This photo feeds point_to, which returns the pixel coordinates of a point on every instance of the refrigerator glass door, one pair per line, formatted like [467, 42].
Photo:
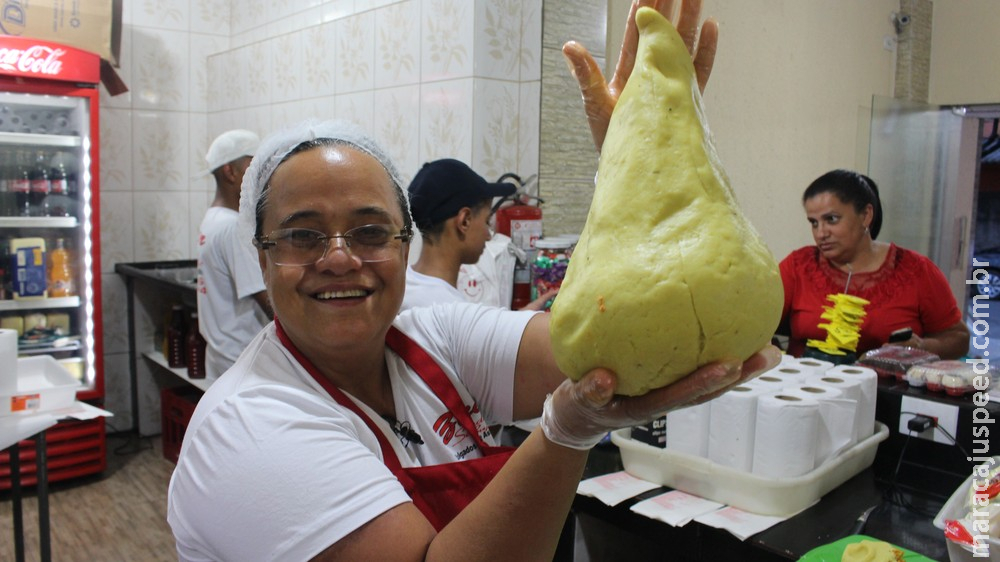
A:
[46, 228]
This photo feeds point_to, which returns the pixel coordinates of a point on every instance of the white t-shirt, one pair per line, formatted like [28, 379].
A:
[426, 290]
[272, 468]
[228, 277]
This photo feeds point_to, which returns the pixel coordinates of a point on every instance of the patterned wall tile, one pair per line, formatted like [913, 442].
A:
[197, 145]
[159, 69]
[211, 16]
[446, 43]
[202, 47]
[319, 61]
[286, 64]
[160, 150]
[495, 126]
[446, 112]
[162, 225]
[116, 229]
[497, 39]
[528, 128]
[296, 21]
[358, 108]
[397, 126]
[335, 9]
[124, 72]
[355, 53]
[117, 391]
[258, 67]
[116, 149]
[397, 45]
[160, 14]
[531, 39]
[247, 14]
[114, 312]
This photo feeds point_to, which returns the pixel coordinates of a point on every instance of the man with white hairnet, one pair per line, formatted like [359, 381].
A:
[349, 431]
[232, 303]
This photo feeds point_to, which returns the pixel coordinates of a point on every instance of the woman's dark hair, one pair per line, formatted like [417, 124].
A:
[852, 188]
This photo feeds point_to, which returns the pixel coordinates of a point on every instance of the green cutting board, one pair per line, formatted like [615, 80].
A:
[834, 551]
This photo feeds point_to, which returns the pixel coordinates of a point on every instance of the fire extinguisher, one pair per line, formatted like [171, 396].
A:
[522, 222]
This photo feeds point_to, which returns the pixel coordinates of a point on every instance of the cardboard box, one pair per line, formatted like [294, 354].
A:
[91, 25]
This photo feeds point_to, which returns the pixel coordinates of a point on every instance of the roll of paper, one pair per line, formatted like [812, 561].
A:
[785, 438]
[771, 379]
[816, 365]
[851, 389]
[837, 415]
[793, 374]
[8, 361]
[687, 429]
[868, 379]
[731, 426]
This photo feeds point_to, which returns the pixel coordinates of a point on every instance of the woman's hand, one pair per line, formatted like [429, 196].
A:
[600, 97]
[577, 415]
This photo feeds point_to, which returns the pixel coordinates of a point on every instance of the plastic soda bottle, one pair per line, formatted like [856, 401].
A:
[60, 271]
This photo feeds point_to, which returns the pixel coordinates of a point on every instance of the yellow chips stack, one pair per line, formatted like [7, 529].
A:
[843, 326]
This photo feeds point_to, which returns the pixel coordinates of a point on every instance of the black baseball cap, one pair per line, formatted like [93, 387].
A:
[443, 187]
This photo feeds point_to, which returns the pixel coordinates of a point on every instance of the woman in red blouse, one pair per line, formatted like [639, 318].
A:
[905, 289]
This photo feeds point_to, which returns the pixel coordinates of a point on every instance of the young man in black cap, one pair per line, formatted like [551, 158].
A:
[450, 204]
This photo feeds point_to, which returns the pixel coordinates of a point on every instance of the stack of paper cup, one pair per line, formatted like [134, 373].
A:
[8, 361]
[868, 390]
[785, 437]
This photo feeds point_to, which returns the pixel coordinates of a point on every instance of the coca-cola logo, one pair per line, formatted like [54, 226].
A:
[37, 59]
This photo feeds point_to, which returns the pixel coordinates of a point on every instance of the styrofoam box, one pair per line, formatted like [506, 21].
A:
[749, 492]
[42, 385]
[955, 508]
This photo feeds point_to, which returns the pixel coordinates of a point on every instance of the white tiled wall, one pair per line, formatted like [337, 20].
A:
[430, 78]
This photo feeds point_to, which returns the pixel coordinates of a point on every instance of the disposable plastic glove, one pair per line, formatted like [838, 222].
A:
[600, 97]
[578, 415]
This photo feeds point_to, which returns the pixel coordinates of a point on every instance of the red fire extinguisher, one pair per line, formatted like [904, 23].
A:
[522, 222]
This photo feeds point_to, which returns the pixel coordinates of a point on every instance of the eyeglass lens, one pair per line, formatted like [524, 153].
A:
[302, 246]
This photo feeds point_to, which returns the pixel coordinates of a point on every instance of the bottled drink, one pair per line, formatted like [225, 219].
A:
[195, 349]
[61, 281]
[41, 185]
[175, 337]
[5, 266]
[19, 183]
[59, 187]
[7, 206]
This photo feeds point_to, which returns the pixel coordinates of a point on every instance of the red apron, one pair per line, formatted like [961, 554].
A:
[439, 491]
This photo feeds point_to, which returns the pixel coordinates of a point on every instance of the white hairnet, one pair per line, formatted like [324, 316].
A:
[276, 147]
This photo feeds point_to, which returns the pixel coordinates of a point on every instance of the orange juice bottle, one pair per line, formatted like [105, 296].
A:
[60, 282]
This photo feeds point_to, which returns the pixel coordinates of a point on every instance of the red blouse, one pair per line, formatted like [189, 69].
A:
[908, 290]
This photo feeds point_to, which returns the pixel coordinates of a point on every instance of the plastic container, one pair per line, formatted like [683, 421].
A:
[42, 385]
[956, 378]
[743, 490]
[549, 267]
[955, 508]
[895, 360]
[60, 271]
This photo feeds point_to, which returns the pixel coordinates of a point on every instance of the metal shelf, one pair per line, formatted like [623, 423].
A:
[38, 139]
[35, 304]
[159, 359]
[39, 222]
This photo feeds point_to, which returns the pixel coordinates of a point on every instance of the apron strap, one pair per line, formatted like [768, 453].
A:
[388, 454]
[434, 377]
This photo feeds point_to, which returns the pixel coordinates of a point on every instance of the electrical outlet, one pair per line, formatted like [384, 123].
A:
[944, 415]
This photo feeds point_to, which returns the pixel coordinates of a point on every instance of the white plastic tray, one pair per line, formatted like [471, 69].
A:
[749, 492]
[954, 508]
[42, 385]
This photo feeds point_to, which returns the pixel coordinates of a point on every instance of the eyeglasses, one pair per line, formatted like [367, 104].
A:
[303, 246]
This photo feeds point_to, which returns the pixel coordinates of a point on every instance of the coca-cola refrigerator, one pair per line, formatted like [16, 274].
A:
[49, 241]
